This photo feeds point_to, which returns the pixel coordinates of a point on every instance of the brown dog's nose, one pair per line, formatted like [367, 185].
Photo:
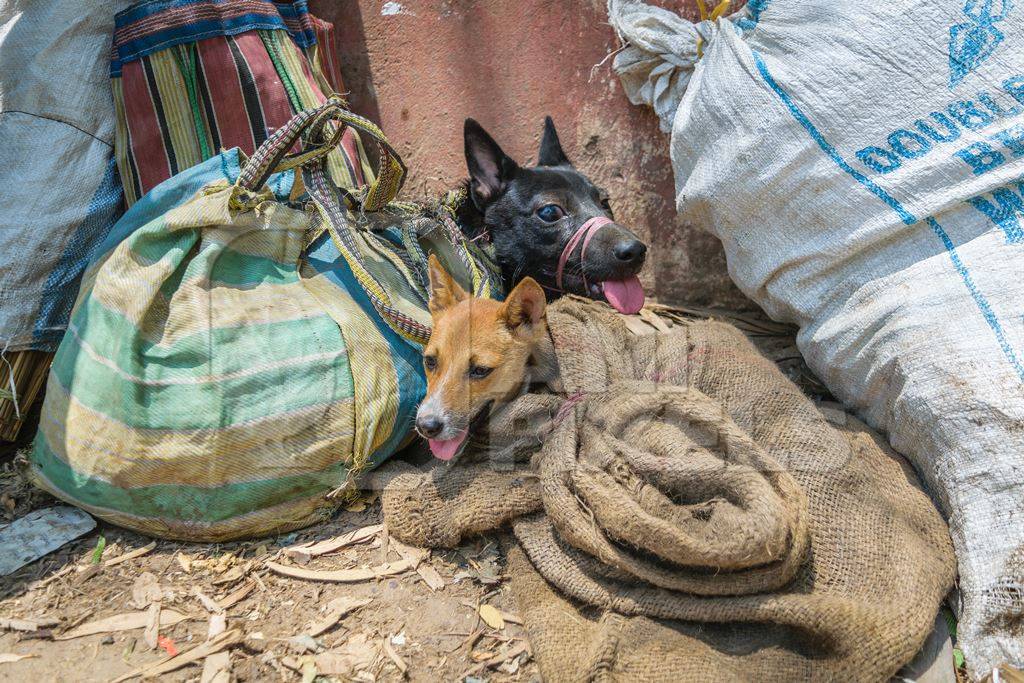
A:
[429, 426]
[630, 251]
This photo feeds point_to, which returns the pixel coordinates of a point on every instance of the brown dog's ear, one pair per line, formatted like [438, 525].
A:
[525, 306]
[445, 292]
[551, 153]
[490, 169]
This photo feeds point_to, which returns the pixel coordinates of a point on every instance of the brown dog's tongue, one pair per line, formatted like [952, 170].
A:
[447, 448]
[625, 296]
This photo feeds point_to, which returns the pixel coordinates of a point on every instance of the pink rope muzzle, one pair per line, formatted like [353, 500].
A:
[584, 233]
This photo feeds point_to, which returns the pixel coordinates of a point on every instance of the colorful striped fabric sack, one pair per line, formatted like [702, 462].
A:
[235, 359]
[193, 77]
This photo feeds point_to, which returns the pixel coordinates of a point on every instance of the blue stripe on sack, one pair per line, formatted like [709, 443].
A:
[296, 10]
[141, 10]
[62, 284]
[979, 299]
[272, 17]
[407, 357]
[169, 194]
[179, 189]
[754, 8]
[192, 33]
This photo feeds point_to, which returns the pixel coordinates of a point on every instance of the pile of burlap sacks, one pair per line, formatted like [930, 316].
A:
[682, 511]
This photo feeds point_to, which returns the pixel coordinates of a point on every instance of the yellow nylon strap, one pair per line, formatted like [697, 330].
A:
[720, 9]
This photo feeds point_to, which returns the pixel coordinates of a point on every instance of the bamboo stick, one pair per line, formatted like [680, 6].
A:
[29, 369]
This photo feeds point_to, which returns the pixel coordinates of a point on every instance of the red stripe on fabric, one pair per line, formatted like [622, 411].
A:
[277, 109]
[348, 146]
[298, 24]
[226, 94]
[147, 140]
[328, 63]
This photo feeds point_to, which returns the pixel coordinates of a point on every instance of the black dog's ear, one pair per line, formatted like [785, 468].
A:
[489, 168]
[551, 153]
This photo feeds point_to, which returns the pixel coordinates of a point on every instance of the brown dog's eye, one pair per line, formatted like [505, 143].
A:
[430, 363]
[549, 213]
[479, 371]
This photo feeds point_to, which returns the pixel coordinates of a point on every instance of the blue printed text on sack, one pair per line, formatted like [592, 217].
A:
[942, 127]
[1004, 207]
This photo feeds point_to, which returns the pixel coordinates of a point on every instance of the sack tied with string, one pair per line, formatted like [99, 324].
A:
[235, 358]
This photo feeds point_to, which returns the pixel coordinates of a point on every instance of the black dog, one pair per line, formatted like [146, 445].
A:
[530, 215]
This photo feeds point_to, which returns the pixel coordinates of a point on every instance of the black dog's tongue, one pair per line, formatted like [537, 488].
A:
[625, 296]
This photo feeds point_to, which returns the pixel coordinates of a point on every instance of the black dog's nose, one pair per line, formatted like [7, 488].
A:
[630, 251]
[429, 426]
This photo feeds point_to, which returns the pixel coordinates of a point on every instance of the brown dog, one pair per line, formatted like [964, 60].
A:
[480, 354]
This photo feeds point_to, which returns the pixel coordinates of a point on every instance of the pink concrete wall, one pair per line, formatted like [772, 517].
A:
[419, 67]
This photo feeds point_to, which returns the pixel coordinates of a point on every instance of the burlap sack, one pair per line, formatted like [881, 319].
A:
[685, 478]
[440, 508]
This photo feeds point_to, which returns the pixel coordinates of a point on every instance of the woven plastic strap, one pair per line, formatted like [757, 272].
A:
[323, 127]
[340, 229]
[483, 287]
[321, 130]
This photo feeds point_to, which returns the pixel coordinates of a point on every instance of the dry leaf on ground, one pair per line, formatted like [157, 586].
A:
[492, 617]
[218, 624]
[146, 590]
[358, 653]
[306, 551]
[343, 575]
[122, 622]
[217, 668]
[511, 653]
[510, 618]
[236, 596]
[209, 603]
[10, 657]
[152, 632]
[336, 610]
[201, 651]
[393, 655]
[430, 576]
[138, 552]
[231, 576]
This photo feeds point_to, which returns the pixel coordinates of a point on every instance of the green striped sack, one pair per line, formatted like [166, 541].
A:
[234, 360]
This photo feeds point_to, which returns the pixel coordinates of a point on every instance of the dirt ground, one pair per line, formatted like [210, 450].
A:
[433, 634]
[276, 627]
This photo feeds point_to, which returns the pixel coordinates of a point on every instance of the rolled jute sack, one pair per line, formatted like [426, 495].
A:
[700, 518]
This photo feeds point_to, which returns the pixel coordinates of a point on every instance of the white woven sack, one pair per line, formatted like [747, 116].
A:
[863, 164]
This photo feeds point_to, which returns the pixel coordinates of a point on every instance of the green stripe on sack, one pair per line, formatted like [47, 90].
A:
[224, 266]
[184, 503]
[113, 337]
[210, 405]
[215, 262]
[152, 244]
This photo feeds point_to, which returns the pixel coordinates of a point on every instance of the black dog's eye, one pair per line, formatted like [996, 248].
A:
[606, 205]
[479, 371]
[549, 213]
[430, 363]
